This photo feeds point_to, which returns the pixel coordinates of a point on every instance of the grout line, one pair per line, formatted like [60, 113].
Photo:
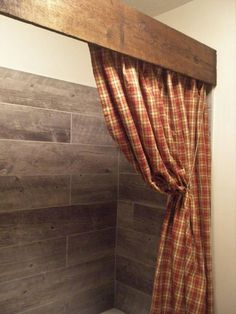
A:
[94, 203]
[56, 270]
[116, 236]
[84, 114]
[70, 190]
[67, 246]
[94, 173]
[56, 143]
[109, 253]
[39, 307]
[19, 210]
[32, 242]
[95, 115]
[137, 262]
[133, 207]
[57, 174]
[71, 127]
[118, 175]
[56, 238]
[91, 231]
[99, 145]
[153, 235]
[36, 274]
[35, 175]
[130, 173]
[144, 203]
[134, 289]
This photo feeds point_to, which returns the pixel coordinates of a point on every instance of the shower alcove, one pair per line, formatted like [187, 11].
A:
[79, 229]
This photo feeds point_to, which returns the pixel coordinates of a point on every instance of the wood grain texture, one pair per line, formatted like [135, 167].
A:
[133, 188]
[17, 87]
[32, 158]
[21, 227]
[18, 193]
[25, 294]
[90, 246]
[131, 301]
[120, 28]
[93, 188]
[135, 275]
[90, 130]
[92, 301]
[51, 308]
[32, 259]
[140, 218]
[137, 246]
[24, 123]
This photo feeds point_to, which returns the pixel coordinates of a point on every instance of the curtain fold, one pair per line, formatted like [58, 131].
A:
[160, 120]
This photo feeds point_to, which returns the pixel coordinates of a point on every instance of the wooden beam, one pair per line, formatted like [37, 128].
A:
[114, 25]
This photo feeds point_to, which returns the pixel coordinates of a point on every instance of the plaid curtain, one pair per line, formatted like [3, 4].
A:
[160, 120]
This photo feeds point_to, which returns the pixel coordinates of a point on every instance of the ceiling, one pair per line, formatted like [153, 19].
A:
[155, 7]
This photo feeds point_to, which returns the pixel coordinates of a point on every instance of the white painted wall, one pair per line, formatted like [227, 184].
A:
[155, 7]
[31, 49]
[213, 22]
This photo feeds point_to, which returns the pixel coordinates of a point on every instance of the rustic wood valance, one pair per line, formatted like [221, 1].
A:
[114, 25]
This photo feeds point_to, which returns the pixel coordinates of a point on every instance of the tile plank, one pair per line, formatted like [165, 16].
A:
[148, 220]
[18, 193]
[125, 214]
[133, 188]
[20, 227]
[32, 158]
[140, 218]
[26, 260]
[27, 89]
[95, 159]
[137, 246]
[24, 123]
[134, 274]
[90, 130]
[93, 188]
[88, 246]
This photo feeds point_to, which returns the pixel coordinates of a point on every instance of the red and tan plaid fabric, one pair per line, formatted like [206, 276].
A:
[160, 120]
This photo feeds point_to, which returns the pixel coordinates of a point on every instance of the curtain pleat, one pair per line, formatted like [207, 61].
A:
[160, 121]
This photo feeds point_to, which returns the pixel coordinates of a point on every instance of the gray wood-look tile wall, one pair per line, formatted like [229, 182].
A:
[61, 233]
[58, 198]
[140, 215]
